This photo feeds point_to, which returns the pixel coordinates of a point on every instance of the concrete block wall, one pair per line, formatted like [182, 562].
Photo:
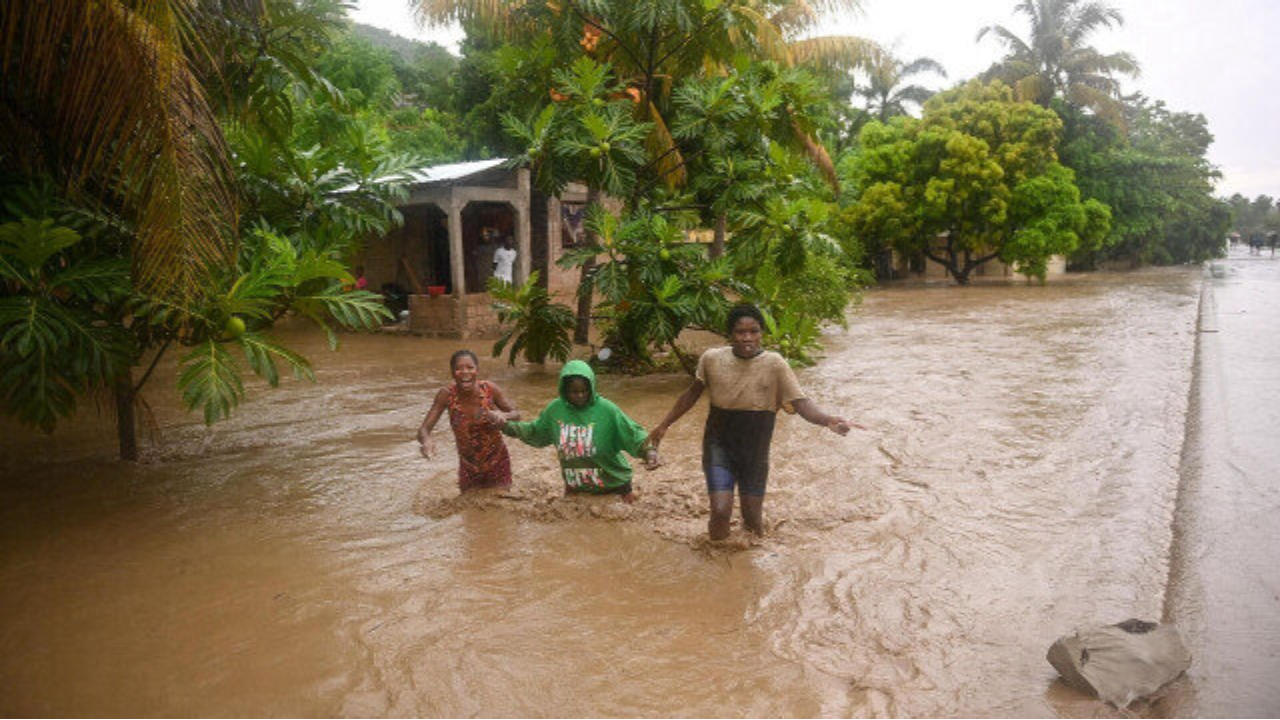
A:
[451, 316]
[435, 316]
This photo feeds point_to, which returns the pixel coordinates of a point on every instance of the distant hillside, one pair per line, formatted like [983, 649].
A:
[406, 48]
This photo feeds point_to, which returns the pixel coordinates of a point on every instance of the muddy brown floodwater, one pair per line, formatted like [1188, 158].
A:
[1020, 477]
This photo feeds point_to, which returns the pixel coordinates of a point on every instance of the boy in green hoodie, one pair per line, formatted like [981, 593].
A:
[590, 434]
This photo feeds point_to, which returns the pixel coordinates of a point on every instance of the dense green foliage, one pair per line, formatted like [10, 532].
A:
[1155, 178]
[693, 116]
[404, 99]
[975, 179]
[312, 177]
[1251, 217]
[535, 327]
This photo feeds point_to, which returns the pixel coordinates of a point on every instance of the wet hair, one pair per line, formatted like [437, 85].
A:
[743, 311]
[453, 359]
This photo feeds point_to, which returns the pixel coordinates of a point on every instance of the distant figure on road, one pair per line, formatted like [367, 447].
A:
[1271, 241]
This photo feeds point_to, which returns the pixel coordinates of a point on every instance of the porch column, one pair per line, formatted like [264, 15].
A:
[554, 247]
[455, 246]
[523, 247]
[524, 259]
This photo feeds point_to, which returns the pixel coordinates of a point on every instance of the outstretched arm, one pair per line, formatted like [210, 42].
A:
[426, 445]
[684, 403]
[814, 414]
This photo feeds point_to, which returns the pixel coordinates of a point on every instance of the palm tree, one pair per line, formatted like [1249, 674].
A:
[1055, 61]
[102, 95]
[885, 93]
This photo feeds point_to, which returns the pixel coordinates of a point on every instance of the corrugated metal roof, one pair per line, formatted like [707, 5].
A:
[453, 171]
[441, 173]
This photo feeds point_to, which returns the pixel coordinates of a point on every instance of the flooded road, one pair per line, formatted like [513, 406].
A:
[1020, 477]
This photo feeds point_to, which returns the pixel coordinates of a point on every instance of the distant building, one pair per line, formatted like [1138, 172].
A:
[456, 216]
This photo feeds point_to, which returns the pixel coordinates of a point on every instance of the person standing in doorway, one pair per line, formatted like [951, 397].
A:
[747, 386]
[504, 261]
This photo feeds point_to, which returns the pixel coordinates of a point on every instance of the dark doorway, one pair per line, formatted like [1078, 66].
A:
[485, 225]
[437, 271]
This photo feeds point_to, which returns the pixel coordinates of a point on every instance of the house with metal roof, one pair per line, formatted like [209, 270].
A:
[456, 216]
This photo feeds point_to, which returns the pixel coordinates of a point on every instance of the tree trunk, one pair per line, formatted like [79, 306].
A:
[582, 331]
[689, 364]
[126, 421]
[717, 244]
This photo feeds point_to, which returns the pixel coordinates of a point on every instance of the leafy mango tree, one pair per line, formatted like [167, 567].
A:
[974, 180]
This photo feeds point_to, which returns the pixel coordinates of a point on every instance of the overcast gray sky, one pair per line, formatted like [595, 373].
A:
[1216, 57]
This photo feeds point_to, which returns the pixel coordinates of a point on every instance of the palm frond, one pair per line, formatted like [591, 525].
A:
[497, 16]
[818, 156]
[837, 52]
[756, 31]
[151, 140]
[922, 65]
[795, 17]
[662, 145]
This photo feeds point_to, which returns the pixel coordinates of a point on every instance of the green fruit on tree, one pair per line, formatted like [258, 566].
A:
[598, 102]
[233, 327]
[604, 146]
[786, 229]
[595, 152]
[665, 254]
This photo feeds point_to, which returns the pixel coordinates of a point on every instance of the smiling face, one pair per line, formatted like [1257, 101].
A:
[577, 391]
[464, 373]
[745, 338]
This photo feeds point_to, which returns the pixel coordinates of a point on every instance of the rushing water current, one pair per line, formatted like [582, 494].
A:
[1019, 477]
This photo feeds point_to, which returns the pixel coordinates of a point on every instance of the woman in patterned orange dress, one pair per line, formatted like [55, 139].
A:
[477, 409]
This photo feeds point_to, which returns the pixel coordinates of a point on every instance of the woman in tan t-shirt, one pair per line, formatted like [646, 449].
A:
[747, 385]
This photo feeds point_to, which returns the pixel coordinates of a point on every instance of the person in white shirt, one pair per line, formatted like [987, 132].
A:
[504, 261]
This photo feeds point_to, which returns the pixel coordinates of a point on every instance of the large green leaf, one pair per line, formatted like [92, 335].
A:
[261, 352]
[210, 380]
[32, 241]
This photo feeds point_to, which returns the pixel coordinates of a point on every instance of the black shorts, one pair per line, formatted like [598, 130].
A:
[735, 450]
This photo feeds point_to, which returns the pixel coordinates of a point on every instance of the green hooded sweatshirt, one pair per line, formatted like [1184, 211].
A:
[589, 440]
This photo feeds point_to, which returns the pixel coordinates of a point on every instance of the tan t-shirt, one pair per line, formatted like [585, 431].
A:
[765, 382]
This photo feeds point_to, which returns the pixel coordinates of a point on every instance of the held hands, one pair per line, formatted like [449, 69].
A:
[496, 418]
[651, 459]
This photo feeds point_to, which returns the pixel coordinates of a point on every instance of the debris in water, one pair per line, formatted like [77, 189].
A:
[1120, 663]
